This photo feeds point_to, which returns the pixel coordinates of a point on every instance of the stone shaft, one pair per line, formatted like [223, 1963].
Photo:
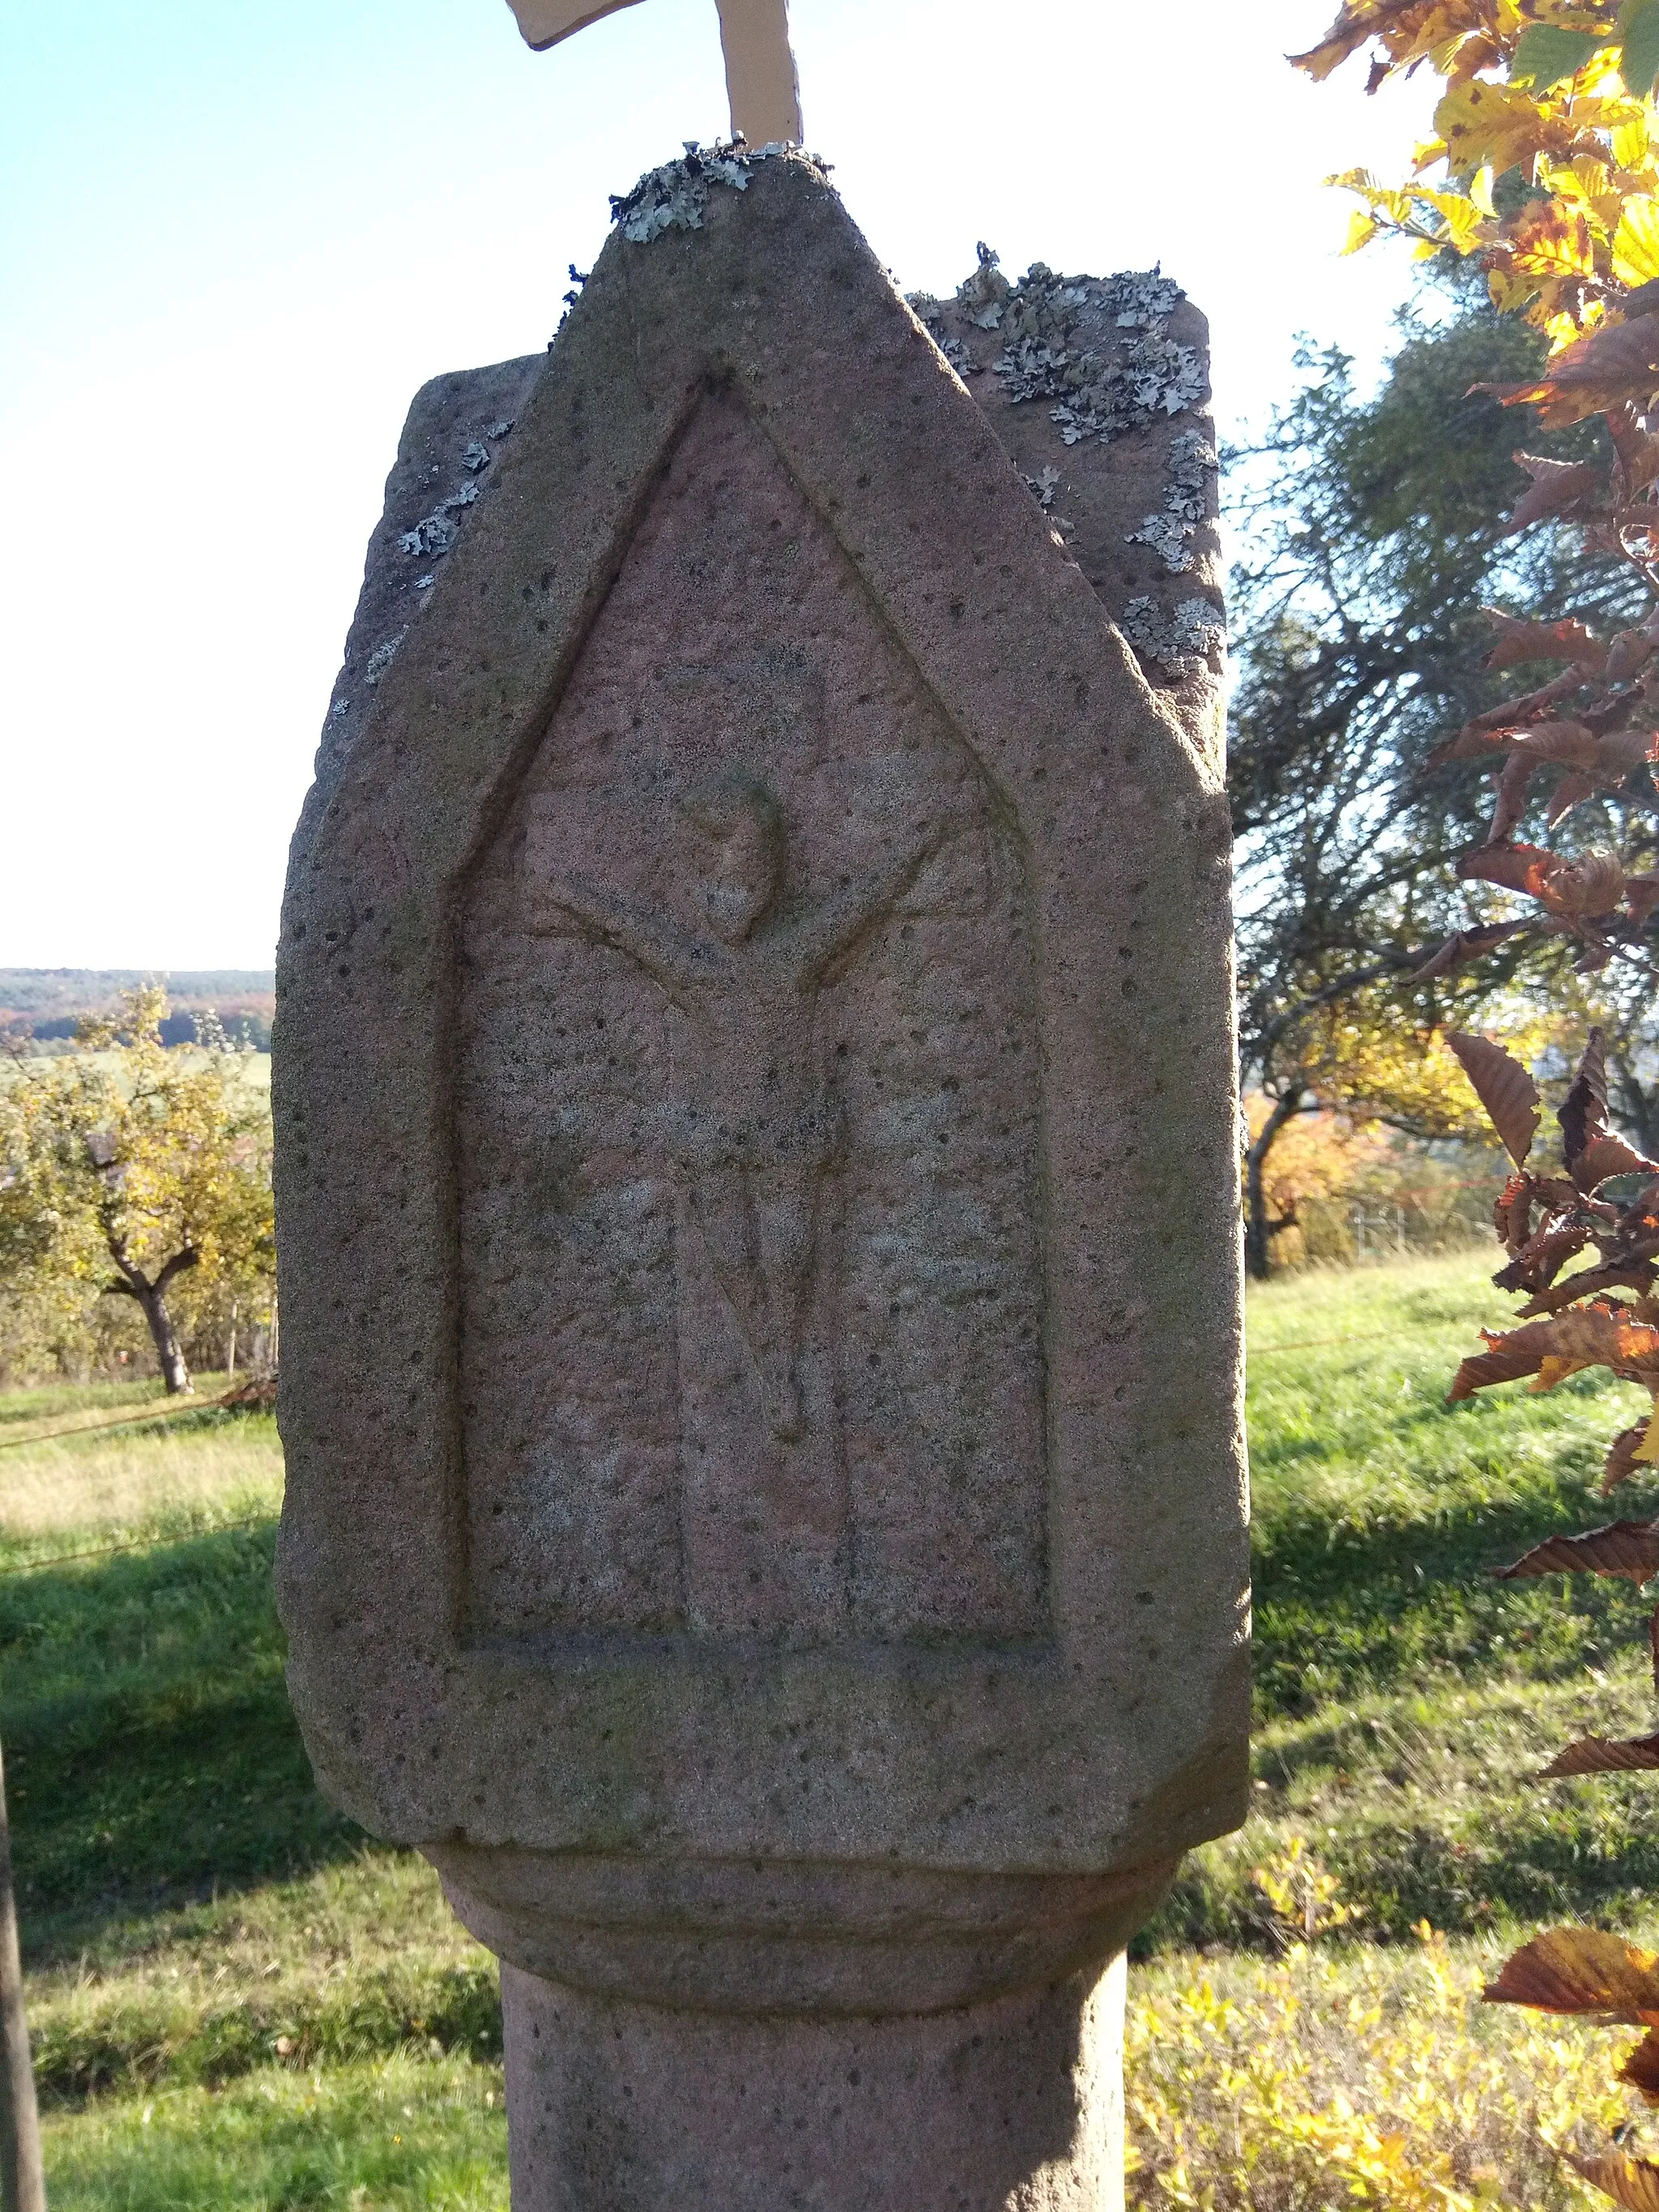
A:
[1013, 2107]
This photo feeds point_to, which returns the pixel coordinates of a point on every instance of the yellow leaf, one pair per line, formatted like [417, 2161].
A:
[1481, 192]
[1630, 142]
[1547, 240]
[1361, 228]
[1460, 217]
[1647, 1451]
[1636, 243]
[1498, 127]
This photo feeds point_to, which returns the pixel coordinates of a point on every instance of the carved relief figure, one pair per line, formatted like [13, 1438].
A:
[757, 1125]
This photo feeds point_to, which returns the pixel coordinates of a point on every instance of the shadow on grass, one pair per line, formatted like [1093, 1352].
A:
[152, 1757]
[1339, 1616]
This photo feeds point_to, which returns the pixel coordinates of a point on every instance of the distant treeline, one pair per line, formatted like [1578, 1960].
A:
[46, 1004]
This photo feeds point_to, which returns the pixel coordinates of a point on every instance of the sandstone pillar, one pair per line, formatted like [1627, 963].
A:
[755, 1124]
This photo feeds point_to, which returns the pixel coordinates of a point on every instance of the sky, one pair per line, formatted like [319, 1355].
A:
[234, 240]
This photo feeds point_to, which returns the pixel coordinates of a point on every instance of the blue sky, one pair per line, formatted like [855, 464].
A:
[234, 240]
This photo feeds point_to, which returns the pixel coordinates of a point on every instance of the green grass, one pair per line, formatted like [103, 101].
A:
[238, 2000]
[1404, 1700]
[393, 2136]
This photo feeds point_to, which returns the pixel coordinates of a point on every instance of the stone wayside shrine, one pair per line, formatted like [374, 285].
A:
[756, 1132]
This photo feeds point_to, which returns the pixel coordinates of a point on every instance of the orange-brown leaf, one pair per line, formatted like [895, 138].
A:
[1504, 1087]
[1571, 742]
[1517, 868]
[1520, 642]
[1581, 1970]
[1557, 487]
[1632, 1275]
[1542, 1257]
[1608, 1155]
[1504, 1360]
[1583, 1112]
[1640, 2071]
[1596, 1754]
[1568, 793]
[1632, 2182]
[1627, 1550]
[1511, 1213]
[1467, 944]
[1638, 450]
[1621, 1461]
[1470, 742]
[1591, 885]
[1618, 362]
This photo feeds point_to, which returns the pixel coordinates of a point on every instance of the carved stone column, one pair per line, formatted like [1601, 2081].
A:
[753, 1099]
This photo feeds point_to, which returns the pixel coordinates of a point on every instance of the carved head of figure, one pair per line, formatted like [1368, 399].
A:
[740, 828]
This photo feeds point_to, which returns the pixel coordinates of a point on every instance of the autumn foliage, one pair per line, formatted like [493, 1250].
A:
[1545, 168]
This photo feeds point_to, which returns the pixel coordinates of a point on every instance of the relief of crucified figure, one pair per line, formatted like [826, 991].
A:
[758, 1127]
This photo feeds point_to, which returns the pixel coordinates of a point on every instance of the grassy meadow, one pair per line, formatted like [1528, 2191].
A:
[239, 2002]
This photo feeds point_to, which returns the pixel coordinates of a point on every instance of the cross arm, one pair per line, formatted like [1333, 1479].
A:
[545, 22]
[760, 67]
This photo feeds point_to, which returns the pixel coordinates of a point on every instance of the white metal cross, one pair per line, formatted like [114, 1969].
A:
[760, 66]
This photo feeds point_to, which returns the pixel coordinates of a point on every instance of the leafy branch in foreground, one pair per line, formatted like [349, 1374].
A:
[1550, 182]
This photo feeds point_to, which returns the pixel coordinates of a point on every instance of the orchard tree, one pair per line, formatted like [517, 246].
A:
[126, 1165]
[1363, 1054]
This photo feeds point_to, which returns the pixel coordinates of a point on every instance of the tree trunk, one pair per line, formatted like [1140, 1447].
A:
[1635, 1104]
[152, 1297]
[174, 1373]
[1258, 1228]
[22, 2180]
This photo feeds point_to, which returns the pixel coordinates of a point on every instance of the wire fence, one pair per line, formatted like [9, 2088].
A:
[241, 1396]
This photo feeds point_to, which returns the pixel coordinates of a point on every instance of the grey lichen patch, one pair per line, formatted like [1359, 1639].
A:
[1043, 486]
[985, 294]
[1138, 375]
[1186, 501]
[1184, 640]
[436, 532]
[674, 196]
[382, 658]
[433, 534]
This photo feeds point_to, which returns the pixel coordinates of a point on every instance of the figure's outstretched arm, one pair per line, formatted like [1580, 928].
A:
[835, 925]
[668, 954]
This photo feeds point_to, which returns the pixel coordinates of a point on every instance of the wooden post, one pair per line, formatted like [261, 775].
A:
[760, 68]
[22, 2179]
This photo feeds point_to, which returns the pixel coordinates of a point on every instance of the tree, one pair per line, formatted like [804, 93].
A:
[129, 1156]
[1363, 1054]
[1375, 527]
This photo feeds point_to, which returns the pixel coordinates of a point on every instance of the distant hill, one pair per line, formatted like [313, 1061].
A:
[45, 1003]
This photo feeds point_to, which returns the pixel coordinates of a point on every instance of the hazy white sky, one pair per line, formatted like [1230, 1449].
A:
[236, 238]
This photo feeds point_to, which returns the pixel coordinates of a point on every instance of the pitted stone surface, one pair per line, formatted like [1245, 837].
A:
[758, 1233]
[754, 1108]
[752, 1302]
